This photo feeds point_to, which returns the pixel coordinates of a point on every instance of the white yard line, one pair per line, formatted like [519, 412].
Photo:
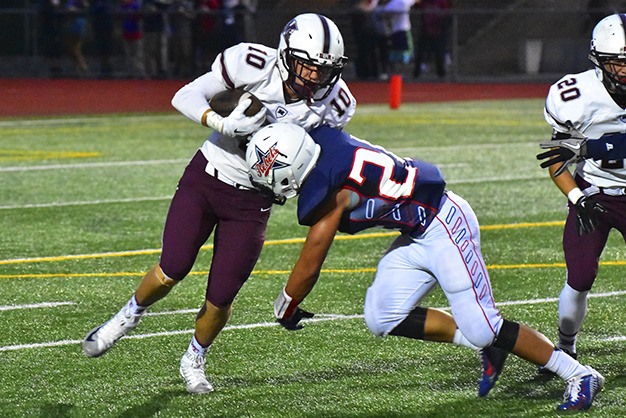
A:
[90, 165]
[35, 305]
[318, 318]
[20, 123]
[153, 198]
[86, 202]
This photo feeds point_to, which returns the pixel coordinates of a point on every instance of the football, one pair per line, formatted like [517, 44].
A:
[225, 101]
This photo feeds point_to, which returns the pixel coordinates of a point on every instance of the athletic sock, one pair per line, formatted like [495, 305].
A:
[565, 366]
[196, 348]
[134, 308]
[572, 311]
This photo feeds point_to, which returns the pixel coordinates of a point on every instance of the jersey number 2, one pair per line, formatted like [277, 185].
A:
[387, 186]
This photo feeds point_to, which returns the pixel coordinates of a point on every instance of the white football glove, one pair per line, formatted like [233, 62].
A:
[238, 124]
[288, 313]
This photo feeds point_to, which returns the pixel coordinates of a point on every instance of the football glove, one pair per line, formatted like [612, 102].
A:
[293, 322]
[237, 123]
[568, 151]
[587, 210]
[288, 313]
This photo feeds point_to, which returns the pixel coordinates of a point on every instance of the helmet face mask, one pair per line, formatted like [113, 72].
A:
[608, 52]
[310, 56]
[280, 156]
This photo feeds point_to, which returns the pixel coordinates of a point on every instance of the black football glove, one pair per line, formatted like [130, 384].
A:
[587, 210]
[568, 151]
[293, 323]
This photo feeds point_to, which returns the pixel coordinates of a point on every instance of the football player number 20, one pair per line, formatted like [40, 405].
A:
[569, 91]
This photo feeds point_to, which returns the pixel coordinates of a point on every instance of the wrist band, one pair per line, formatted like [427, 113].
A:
[574, 195]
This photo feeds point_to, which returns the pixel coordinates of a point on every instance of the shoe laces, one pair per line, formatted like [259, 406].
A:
[118, 325]
[573, 390]
[488, 368]
[195, 368]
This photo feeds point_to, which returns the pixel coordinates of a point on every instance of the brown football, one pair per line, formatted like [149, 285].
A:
[225, 101]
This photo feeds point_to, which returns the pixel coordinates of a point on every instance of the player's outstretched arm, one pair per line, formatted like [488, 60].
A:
[572, 150]
[307, 269]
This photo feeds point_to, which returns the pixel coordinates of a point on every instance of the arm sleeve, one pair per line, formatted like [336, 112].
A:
[608, 147]
[192, 100]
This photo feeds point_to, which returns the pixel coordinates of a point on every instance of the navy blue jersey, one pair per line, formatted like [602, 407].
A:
[388, 191]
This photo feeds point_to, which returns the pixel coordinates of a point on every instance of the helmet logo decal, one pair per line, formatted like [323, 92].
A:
[290, 28]
[267, 161]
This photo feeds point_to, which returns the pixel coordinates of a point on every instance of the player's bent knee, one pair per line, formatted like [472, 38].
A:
[373, 316]
[168, 282]
[163, 278]
[478, 334]
[373, 324]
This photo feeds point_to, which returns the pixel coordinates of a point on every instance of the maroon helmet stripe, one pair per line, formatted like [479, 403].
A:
[326, 33]
[225, 73]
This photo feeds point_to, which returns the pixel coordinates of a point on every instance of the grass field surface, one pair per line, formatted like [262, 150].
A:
[82, 205]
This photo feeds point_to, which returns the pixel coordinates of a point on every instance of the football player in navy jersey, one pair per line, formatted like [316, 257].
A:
[347, 184]
[591, 104]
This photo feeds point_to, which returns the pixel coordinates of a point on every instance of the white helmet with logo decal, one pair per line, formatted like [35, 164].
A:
[311, 41]
[608, 52]
[279, 157]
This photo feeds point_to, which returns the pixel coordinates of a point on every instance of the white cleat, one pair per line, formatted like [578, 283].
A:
[100, 339]
[192, 372]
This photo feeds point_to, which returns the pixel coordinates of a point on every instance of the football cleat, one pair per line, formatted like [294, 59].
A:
[546, 372]
[100, 339]
[492, 360]
[192, 372]
[581, 391]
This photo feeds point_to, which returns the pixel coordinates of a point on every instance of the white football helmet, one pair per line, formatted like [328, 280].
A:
[279, 157]
[311, 41]
[608, 52]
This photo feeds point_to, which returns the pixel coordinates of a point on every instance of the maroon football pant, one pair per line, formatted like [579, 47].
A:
[203, 205]
[582, 253]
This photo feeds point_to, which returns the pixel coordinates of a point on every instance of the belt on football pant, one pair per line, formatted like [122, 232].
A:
[214, 172]
[609, 191]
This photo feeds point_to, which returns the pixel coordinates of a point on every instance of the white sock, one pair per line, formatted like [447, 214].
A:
[135, 308]
[565, 366]
[196, 349]
[459, 339]
[572, 311]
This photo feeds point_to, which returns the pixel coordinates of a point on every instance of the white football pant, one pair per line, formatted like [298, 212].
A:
[448, 253]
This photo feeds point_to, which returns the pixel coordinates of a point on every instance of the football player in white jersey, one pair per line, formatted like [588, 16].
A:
[299, 82]
[589, 105]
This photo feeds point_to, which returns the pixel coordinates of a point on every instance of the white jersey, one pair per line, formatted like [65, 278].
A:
[254, 68]
[581, 103]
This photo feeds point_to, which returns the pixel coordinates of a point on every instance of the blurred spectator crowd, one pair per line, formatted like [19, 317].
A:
[152, 39]
[158, 38]
[384, 36]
